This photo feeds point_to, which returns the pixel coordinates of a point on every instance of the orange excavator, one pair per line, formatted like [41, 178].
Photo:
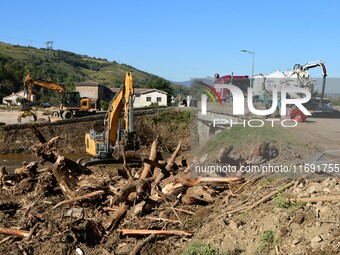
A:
[71, 101]
[110, 145]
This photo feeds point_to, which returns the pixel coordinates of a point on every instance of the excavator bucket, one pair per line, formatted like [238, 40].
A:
[54, 118]
[27, 114]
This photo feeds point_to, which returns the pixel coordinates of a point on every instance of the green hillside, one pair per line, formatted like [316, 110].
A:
[60, 66]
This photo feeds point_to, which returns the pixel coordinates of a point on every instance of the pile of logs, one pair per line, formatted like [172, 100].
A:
[146, 192]
[148, 201]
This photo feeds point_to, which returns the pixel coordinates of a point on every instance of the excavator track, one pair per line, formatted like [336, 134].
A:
[97, 161]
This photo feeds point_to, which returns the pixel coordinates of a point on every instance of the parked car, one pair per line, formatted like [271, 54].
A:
[45, 105]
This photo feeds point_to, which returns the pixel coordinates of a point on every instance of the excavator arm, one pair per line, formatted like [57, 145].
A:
[122, 100]
[108, 144]
[29, 83]
[324, 73]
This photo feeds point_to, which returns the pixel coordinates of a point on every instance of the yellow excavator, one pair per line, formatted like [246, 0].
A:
[111, 145]
[71, 101]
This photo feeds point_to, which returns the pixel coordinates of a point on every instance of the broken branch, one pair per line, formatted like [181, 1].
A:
[89, 195]
[264, 199]
[170, 163]
[130, 187]
[176, 209]
[199, 180]
[154, 163]
[163, 219]
[126, 167]
[153, 155]
[140, 245]
[156, 232]
[117, 215]
[314, 199]
[14, 231]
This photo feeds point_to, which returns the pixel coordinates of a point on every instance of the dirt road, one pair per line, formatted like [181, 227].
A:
[11, 117]
[323, 131]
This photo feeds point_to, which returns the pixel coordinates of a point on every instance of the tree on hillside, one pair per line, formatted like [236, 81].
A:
[159, 83]
[179, 89]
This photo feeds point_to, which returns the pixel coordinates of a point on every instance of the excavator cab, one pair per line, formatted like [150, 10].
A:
[97, 146]
[71, 99]
[85, 104]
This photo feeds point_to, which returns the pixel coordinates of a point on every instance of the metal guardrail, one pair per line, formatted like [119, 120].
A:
[326, 162]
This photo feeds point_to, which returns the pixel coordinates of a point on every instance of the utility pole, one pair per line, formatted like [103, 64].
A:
[49, 45]
[253, 66]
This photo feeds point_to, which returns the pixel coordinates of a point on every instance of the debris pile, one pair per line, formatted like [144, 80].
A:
[83, 208]
[68, 208]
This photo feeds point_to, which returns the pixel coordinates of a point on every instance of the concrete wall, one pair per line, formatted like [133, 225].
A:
[88, 91]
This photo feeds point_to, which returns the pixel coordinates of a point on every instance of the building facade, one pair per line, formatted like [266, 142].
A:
[97, 93]
[146, 97]
[14, 98]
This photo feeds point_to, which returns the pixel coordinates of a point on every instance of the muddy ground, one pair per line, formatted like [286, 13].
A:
[275, 226]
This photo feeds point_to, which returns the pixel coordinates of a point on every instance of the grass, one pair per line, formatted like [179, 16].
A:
[205, 249]
[266, 242]
[182, 117]
[110, 73]
[199, 249]
[335, 101]
[241, 137]
[280, 201]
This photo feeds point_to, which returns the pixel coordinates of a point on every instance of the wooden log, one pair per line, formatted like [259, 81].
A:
[270, 195]
[86, 196]
[153, 155]
[154, 163]
[197, 193]
[27, 168]
[155, 232]
[199, 180]
[14, 231]
[170, 163]
[3, 174]
[45, 150]
[31, 233]
[173, 188]
[263, 199]
[116, 217]
[5, 239]
[135, 186]
[66, 181]
[314, 199]
[126, 167]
